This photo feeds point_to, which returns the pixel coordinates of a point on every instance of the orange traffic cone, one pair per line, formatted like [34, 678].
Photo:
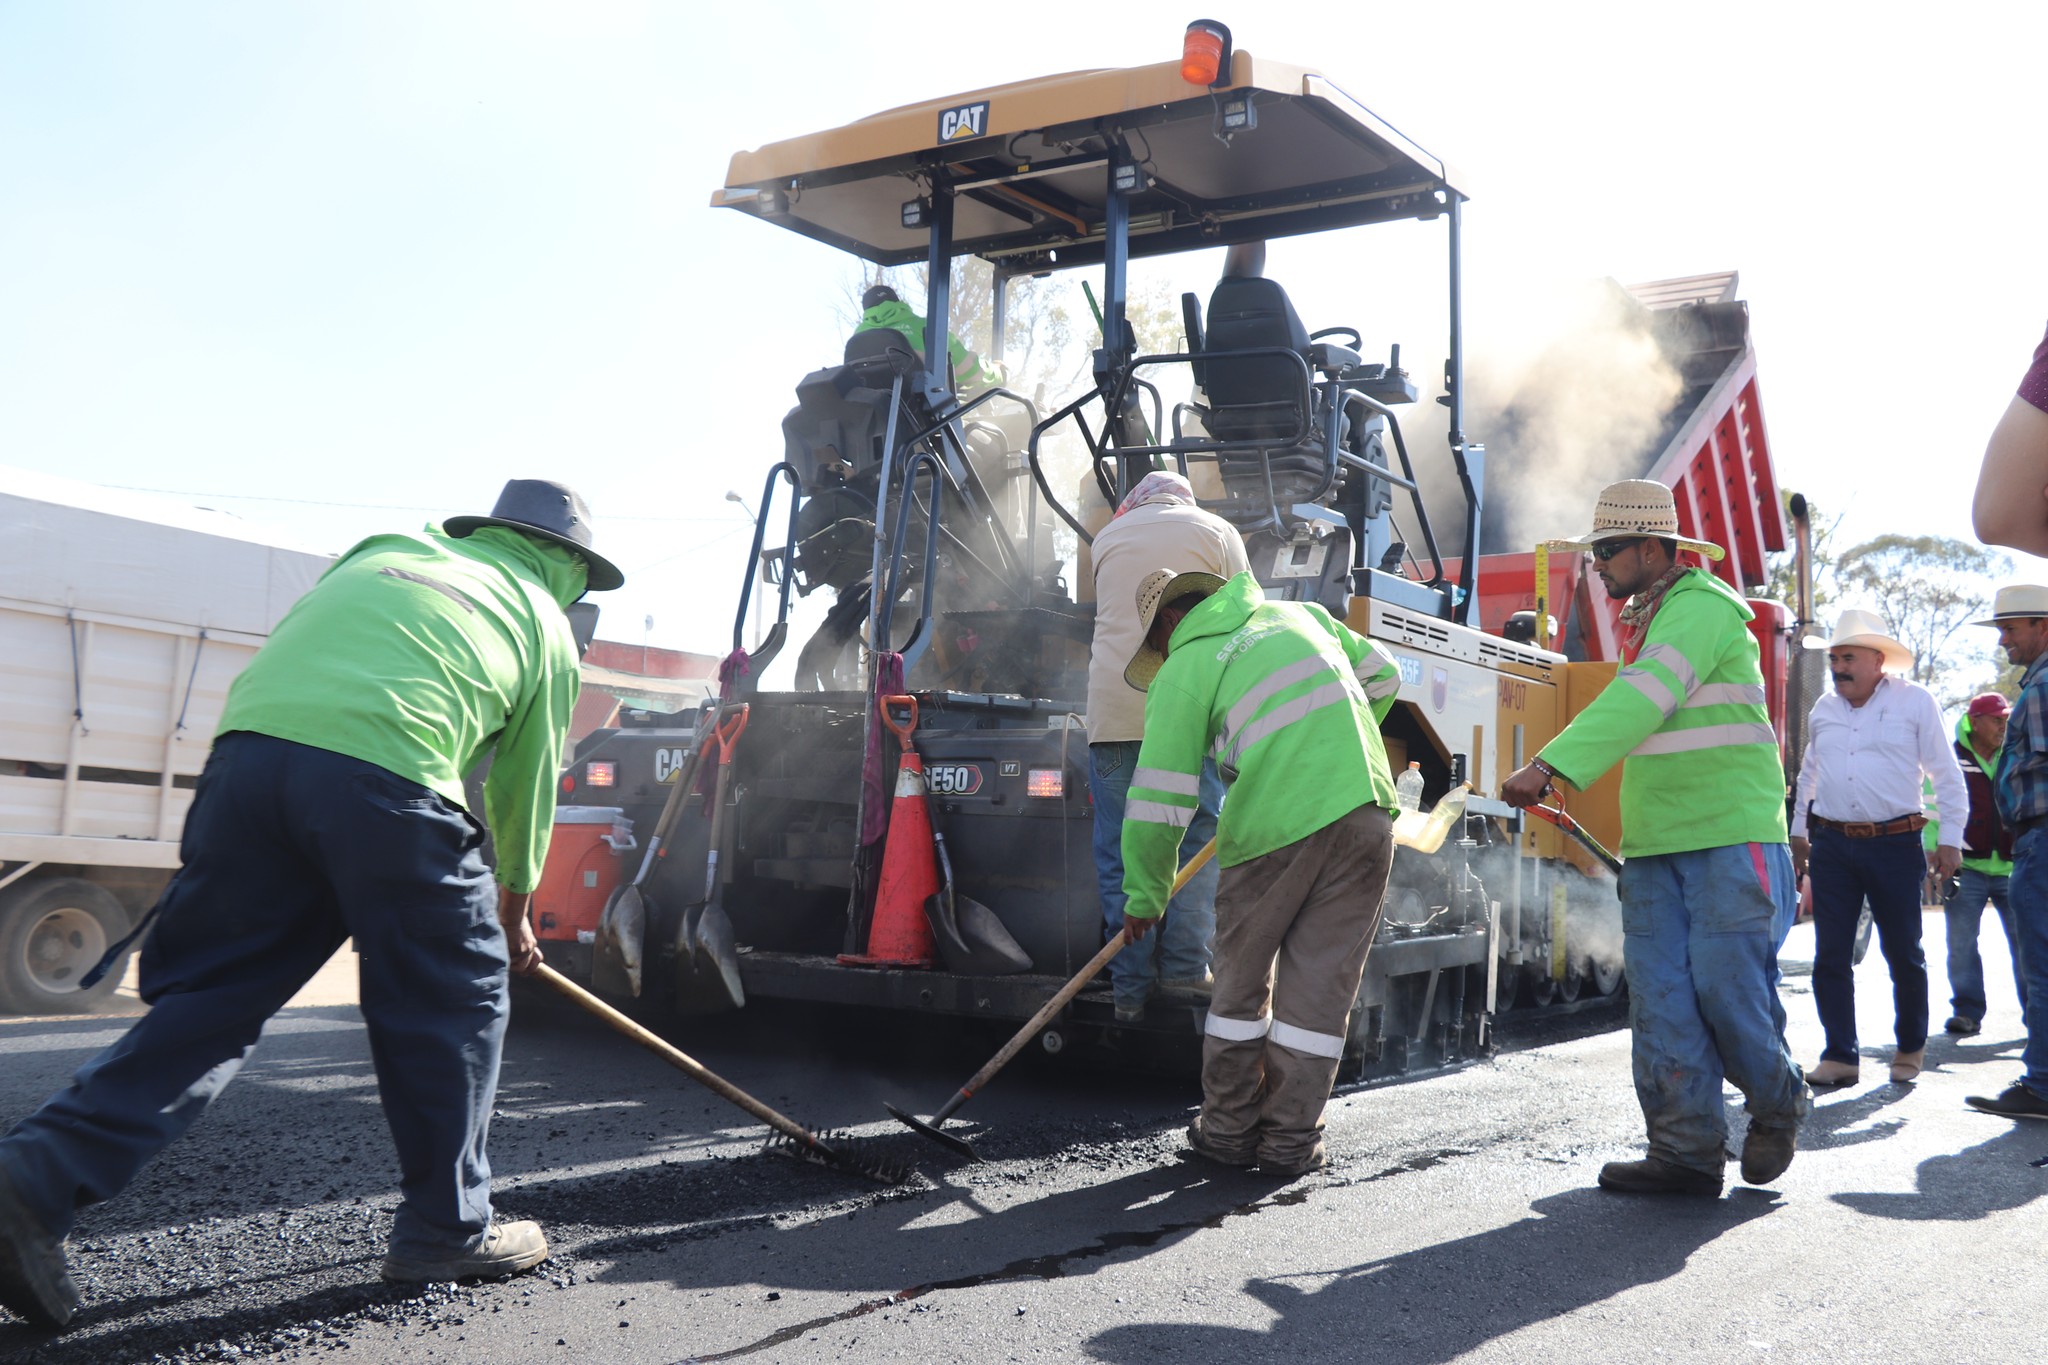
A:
[899, 934]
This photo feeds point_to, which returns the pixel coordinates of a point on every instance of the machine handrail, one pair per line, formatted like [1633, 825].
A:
[920, 635]
[767, 648]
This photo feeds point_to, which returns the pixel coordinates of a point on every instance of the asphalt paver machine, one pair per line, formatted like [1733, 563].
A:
[927, 518]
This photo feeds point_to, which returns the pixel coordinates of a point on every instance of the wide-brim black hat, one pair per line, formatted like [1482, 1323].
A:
[551, 511]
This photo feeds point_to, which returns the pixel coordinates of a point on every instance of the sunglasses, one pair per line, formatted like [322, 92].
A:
[1608, 549]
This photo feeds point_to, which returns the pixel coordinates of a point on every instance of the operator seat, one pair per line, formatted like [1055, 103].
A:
[1252, 396]
[882, 343]
[1272, 401]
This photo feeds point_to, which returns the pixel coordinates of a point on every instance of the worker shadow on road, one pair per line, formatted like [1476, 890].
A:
[1846, 1120]
[961, 1234]
[1393, 1308]
[1955, 1187]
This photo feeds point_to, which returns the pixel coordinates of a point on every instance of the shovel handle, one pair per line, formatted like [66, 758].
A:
[1556, 815]
[677, 794]
[1059, 1001]
[736, 725]
[679, 1059]
[902, 732]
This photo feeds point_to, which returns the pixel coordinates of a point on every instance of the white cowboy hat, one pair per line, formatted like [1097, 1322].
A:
[1860, 629]
[1637, 508]
[1160, 587]
[2019, 602]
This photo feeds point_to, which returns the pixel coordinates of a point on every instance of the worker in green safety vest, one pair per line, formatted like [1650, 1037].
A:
[882, 310]
[1707, 892]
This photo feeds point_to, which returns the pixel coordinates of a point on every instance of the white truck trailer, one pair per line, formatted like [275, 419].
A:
[123, 618]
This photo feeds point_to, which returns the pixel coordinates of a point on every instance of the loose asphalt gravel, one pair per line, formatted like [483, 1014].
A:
[1455, 1222]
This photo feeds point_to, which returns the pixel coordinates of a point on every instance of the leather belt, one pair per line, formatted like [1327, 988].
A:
[1864, 829]
[2030, 823]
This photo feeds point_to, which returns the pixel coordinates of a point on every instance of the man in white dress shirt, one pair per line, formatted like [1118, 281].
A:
[1872, 740]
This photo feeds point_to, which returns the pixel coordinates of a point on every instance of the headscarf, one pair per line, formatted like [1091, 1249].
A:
[1160, 486]
[1637, 613]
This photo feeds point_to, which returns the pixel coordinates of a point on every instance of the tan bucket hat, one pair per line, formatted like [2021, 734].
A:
[1160, 587]
[1640, 507]
[2017, 602]
[1860, 629]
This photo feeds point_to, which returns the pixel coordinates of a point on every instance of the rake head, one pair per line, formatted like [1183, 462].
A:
[841, 1153]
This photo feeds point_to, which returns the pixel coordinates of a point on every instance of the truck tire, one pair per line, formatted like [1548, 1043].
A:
[52, 931]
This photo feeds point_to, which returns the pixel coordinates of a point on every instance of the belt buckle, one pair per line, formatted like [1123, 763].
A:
[1860, 829]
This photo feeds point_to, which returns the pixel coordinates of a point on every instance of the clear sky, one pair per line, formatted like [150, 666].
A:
[356, 263]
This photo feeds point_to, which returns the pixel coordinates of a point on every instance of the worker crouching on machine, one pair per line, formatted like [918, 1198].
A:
[1290, 702]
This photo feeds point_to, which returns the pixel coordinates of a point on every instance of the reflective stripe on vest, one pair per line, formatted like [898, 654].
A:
[1728, 694]
[1159, 813]
[1288, 712]
[1705, 737]
[1167, 780]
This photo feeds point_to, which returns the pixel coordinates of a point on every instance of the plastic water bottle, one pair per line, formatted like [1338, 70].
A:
[1408, 788]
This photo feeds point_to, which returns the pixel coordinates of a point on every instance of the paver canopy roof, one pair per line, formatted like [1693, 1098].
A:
[1027, 163]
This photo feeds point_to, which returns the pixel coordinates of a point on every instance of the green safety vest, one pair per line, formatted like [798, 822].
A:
[423, 653]
[896, 316]
[1289, 704]
[1686, 719]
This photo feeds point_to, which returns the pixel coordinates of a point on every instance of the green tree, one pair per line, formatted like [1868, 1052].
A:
[1927, 589]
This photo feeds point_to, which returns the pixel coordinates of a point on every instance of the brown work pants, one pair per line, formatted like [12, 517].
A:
[1292, 930]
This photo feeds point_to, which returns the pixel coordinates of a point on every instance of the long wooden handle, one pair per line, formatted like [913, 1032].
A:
[677, 1058]
[677, 794]
[1060, 998]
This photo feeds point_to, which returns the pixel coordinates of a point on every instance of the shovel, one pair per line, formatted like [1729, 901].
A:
[712, 978]
[931, 1127]
[1556, 815]
[616, 965]
[971, 939]
[791, 1137]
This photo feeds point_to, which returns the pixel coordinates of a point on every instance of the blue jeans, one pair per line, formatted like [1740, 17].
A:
[288, 851]
[1965, 966]
[1179, 949]
[1888, 871]
[2028, 889]
[1700, 935]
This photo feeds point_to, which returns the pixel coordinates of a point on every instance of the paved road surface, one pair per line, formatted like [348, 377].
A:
[1457, 1222]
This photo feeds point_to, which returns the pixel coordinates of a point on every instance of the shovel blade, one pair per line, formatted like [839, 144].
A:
[713, 947]
[620, 952]
[701, 984]
[972, 941]
[959, 1145]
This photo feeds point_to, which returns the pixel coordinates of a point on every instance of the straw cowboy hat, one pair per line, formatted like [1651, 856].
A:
[1160, 587]
[1860, 629]
[2020, 602]
[1636, 508]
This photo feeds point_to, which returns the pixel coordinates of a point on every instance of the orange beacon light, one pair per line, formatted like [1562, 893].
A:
[1205, 54]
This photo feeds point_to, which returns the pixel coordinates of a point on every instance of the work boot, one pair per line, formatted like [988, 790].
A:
[504, 1249]
[1832, 1073]
[1766, 1152]
[1294, 1170]
[34, 1279]
[2014, 1102]
[1654, 1175]
[1963, 1026]
[1201, 1146]
[1191, 985]
[1906, 1066]
[1129, 1014]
